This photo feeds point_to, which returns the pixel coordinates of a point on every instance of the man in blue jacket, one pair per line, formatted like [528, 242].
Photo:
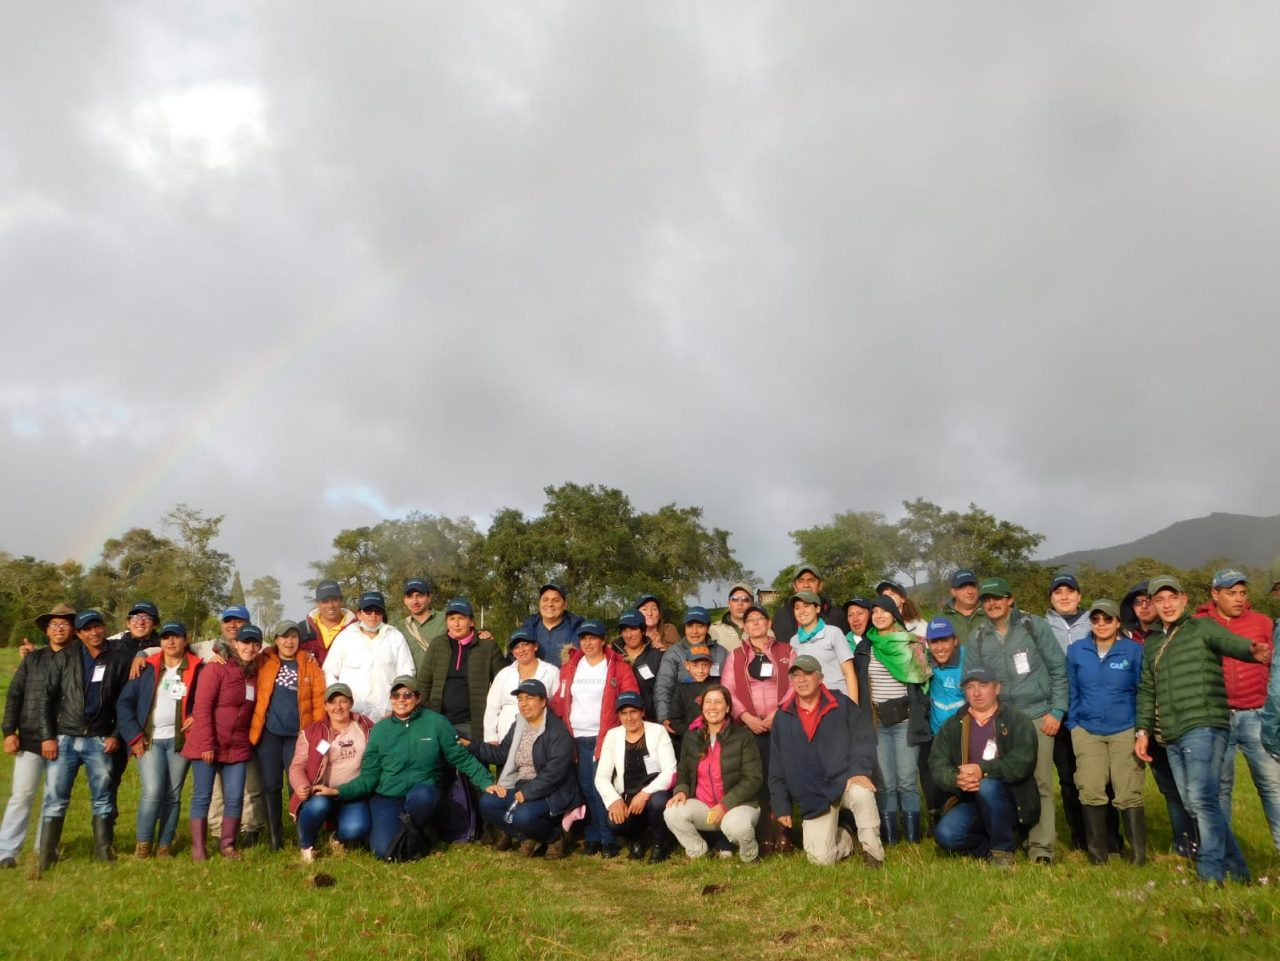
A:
[554, 627]
[824, 754]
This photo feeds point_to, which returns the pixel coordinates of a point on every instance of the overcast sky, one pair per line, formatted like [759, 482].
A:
[309, 265]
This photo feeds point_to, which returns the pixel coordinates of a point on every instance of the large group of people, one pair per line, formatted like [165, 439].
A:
[847, 728]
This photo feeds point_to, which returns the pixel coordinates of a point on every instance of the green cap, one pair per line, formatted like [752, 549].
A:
[1108, 607]
[405, 680]
[994, 587]
[807, 663]
[284, 627]
[1164, 582]
[335, 689]
[807, 596]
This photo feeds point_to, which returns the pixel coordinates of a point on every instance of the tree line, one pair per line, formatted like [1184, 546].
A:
[590, 538]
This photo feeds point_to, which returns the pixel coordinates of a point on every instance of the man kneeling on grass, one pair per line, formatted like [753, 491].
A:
[984, 755]
[824, 754]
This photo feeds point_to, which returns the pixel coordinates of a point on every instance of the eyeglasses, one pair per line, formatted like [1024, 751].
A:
[741, 597]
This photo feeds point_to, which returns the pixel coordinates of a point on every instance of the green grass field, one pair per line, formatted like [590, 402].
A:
[472, 903]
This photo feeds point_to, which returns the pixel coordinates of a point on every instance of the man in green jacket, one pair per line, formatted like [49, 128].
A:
[984, 755]
[1025, 657]
[964, 612]
[1182, 701]
[421, 625]
[403, 766]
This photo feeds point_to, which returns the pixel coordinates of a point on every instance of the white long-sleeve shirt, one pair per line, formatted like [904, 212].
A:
[500, 706]
[368, 664]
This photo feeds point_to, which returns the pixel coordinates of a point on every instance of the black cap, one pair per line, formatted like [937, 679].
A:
[531, 686]
[328, 589]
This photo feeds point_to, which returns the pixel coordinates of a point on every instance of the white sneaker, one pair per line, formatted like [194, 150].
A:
[308, 855]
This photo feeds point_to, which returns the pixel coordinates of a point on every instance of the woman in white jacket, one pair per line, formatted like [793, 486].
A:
[367, 656]
[634, 776]
[500, 707]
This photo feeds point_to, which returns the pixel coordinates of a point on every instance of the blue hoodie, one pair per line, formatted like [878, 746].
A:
[946, 696]
[1103, 692]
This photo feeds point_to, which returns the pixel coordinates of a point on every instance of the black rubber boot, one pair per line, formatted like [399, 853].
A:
[50, 838]
[889, 829]
[275, 829]
[1135, 825]
[102, 838]
[1095, 830]
[911, 826]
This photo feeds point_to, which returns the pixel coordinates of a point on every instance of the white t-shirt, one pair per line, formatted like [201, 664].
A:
[587, 695]
[165, 717]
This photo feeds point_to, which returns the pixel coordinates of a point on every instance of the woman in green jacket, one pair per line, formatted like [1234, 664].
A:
[403, 766]
[717, 782]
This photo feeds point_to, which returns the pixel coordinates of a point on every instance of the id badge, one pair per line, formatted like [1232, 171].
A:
[322, 748]
[766, 669]
[645, 671]
[650, 764]
[715, 670]
[1022, 663]
[99, 672]
[989, 752]
[178, 690]
[250, 693]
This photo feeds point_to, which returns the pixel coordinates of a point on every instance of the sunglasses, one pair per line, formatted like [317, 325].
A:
[1101, 618]
[403, 695]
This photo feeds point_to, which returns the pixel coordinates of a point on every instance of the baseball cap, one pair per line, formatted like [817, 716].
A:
[938, 629]
[995, 587]
[809, 597]
[236, 610]
[459, 605]
[1229, 577]
[284, 627]
[964, 576]
[1064, 580]
[1108, 607]
[592, 628]
[699, 652]
[552, 586]
[629, 699]
[980, 674]
[806, 663]
[328, 589]
[85, 618]
[857, 602]
[372, 599]
[1164, 582]
[173, 629]
[405, 680]
[531, 686]
[339, 688]
[631, 619]
[697, 615]
[892, 585]
[521, 636]
[249, 632]
[807, 567]
[419, 584]
[145, 607]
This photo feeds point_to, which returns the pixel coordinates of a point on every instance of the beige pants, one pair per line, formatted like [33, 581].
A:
[825, 843]
[688, 821]
[254, 814]
[1042, 837]
[1108, 757]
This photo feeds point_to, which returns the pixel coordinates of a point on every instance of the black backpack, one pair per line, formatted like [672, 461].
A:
[409, 844]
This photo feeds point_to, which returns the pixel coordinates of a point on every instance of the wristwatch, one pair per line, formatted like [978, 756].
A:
[1141, 732]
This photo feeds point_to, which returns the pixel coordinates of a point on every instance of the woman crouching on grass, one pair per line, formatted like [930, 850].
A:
[537, 782]
[327, 754]
[634, 776]
[717, 782]
[218, 744]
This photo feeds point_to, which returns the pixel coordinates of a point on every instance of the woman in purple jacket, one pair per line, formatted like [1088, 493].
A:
[219, 740]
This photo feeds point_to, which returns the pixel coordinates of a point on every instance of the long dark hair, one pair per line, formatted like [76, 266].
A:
[703, 730]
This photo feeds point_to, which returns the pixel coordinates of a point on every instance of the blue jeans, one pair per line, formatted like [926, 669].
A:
[1246, 733]
[1196, 760]
[353, 819]
[1181, 823]
[897, 761]
[596, 828]
[532, 819]
[233, 776]
[28, 772]
[60, 775]
[163, 772]
[985, 821]
[420, 803]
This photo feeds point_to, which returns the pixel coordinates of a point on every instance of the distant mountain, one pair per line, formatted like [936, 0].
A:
[1245, 540]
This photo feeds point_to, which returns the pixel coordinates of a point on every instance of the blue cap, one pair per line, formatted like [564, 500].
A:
[417, 584]
[236, 610]
[629, 699]
[857, 602]
[1064, 580]
[594, 628]
[249, 632]
[145, 607]
[372, 599]
[459, 605]
[328, 589]
[644, 599]
[697, 615]
[176, 628]
[964, 576]
[939, 628]
[552, 586]
[531, 686]
[1229, 578]
[631, 619]
[980, 674]
[892, 585]
[521, 636]
[85, 618]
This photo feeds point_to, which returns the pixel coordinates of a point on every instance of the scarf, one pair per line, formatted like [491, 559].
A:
[902, 655]
[804, 637]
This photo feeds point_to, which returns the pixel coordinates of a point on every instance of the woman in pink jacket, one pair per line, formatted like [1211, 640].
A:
[219, 740]
[756, 675]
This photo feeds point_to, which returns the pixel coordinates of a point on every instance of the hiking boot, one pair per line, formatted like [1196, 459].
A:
[555, 850]
[163, 851]
[609, 851]
[870, 860]
[529, 847]
[661, 851]
[1002, 860]
[635, 851]
[142, 850]
[502, 842]
[590, 847]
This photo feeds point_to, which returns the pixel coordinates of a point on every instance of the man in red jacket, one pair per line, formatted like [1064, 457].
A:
[1246, 694]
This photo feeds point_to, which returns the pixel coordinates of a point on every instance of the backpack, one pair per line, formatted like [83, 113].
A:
[409, 844]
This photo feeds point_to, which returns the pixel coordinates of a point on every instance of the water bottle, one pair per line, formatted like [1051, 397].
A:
[510, 816]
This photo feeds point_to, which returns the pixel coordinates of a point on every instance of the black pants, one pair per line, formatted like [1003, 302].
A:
[275, 754]
[651, 819]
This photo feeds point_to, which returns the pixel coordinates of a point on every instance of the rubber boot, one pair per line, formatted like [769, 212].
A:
[275, 829]
[889, 829]
[50, 838]
[102, 838]
[227, 843]
[1095, 831]
[1135, 825]
[199, 839]
[911, 826]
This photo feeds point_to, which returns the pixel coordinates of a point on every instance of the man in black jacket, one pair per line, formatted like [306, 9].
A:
[79, 728]
[823, 754]
[807, 579]
[23, 709]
